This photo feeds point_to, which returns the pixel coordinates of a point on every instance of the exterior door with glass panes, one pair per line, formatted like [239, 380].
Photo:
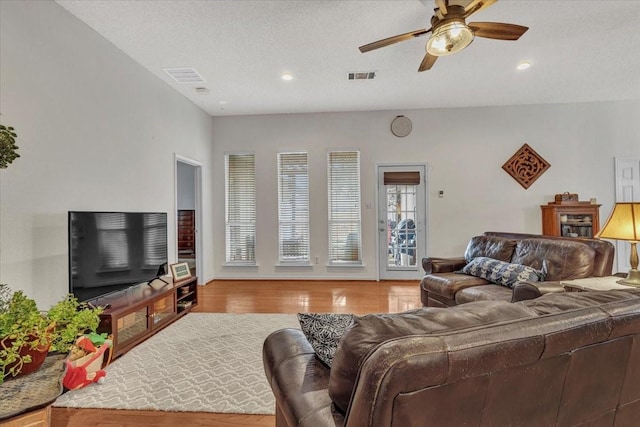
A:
[401, 221]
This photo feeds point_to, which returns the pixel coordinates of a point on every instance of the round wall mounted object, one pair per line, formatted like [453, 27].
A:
[401, 126]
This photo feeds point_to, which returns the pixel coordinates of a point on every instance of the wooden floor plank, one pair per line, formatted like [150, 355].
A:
[257, 296]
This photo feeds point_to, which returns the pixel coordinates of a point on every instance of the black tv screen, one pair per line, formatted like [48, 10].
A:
[111, 251]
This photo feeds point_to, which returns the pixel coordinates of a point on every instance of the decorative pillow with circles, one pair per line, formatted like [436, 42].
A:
[323, 331]
[500, 272]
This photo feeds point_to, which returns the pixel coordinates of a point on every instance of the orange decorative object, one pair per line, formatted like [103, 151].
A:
[85, 363]
[526, 166]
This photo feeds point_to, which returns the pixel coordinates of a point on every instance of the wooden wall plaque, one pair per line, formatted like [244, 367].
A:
[525, 166]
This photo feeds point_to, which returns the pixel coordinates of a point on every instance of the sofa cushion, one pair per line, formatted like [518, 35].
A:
[484, 293]
[447, 284]
[562, 302]
[500, 272]
[564, 260]
[370, 331]
[491, 247]
[323, 331]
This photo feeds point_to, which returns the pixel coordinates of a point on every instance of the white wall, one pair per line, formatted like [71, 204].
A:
[464, 149]
[96, 131]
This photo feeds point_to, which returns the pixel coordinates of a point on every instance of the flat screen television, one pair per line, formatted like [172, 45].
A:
[111, 251]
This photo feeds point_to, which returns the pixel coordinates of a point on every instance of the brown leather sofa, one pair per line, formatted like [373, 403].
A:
[564, 359]
[563, 258]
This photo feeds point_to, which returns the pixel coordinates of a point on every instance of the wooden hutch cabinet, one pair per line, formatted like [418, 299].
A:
[570, 219]
[186, 233]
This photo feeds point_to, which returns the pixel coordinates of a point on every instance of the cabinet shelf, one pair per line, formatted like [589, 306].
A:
[187, 295]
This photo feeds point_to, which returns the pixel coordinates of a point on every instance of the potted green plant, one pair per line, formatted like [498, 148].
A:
[8, 146]
[27, 334]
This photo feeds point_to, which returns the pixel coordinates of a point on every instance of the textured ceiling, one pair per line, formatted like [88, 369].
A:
[580, 51]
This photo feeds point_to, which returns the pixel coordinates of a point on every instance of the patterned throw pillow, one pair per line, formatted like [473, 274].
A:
[500, 272]
[323, 331]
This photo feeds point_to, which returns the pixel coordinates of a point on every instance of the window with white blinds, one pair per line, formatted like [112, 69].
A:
[343, 181]
[293, 207]
[240, 208]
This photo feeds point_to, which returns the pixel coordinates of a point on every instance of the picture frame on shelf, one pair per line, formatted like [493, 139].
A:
[180, 271]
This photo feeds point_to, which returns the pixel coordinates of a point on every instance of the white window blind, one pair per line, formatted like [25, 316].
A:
[240, 208]
[293, 207]
[343, 181]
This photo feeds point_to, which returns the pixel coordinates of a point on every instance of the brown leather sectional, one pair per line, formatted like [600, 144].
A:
[564, 359]
[563, 259]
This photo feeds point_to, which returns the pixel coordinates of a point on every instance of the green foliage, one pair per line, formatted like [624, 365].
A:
[72, 319]
[21, 323]
[8, 146]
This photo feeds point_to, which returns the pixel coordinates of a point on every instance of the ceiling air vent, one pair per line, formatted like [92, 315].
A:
[367, 75]
[184, 75]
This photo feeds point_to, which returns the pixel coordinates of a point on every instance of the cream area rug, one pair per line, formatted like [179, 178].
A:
[204, 362]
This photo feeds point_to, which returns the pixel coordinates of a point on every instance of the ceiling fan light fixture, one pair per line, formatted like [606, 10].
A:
[450, 38]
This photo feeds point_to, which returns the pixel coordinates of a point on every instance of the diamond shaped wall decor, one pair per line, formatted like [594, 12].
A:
[525, 166]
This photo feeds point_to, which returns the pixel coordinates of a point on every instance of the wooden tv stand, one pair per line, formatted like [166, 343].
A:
[134, 314]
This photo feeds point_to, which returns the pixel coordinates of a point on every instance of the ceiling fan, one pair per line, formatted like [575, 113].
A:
[450, 33]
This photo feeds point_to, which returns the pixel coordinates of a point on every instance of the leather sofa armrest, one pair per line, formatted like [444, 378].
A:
[442, 265]
[530, 290]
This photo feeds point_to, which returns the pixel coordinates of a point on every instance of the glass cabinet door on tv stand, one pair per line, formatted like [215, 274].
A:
[163, 310]
[573, 219]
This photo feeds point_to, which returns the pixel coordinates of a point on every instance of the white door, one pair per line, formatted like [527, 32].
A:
[402, 206]
[627, 190]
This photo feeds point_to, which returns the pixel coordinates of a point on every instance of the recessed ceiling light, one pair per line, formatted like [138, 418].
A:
[286, 76]
[523, 65]
[222, 102]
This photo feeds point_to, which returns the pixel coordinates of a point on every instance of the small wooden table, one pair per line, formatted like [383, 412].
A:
[606, 283]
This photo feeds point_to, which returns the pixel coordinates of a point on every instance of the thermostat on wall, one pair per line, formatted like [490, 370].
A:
[401, 126]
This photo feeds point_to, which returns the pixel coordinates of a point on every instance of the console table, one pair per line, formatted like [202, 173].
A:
[134, 314]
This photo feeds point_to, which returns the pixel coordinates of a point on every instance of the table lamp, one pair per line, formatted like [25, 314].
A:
[624, 224]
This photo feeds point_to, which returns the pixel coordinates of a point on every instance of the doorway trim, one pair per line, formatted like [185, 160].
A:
[198, 207]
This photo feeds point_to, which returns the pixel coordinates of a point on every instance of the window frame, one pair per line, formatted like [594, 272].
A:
[344, 241]
[294, 186]
[246, 226]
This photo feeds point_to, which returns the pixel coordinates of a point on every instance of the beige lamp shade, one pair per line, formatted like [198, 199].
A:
[623, 223]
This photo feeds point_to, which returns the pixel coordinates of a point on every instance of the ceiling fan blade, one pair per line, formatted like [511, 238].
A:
[497, 30]
[391, 40]
[442, 5]
[427, 62]
[476, 6]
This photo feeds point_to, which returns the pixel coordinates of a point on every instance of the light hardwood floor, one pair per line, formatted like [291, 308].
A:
[258, 296]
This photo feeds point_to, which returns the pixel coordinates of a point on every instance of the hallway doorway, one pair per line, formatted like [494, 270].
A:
[188, 212]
